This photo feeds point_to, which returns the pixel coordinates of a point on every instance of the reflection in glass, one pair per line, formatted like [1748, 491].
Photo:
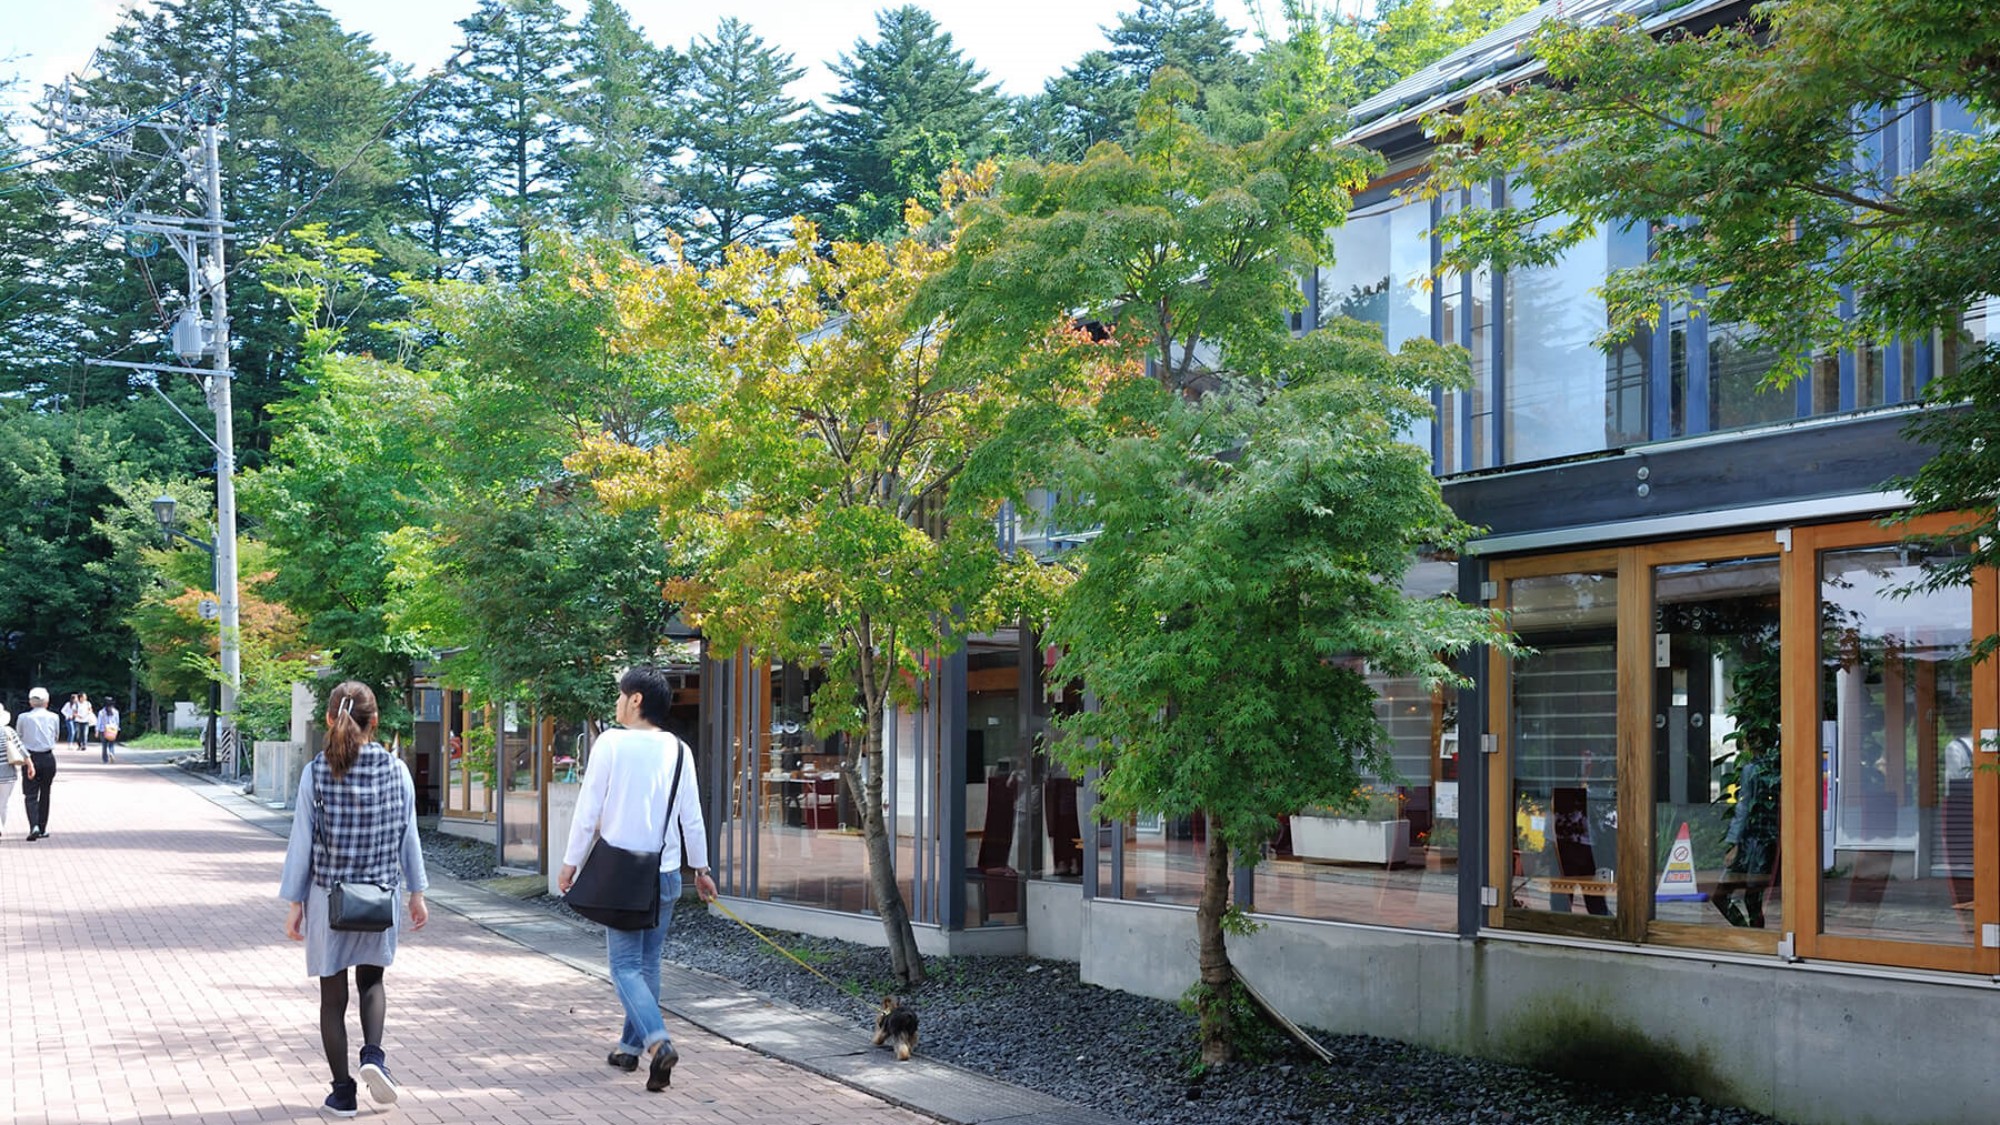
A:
[1717, 816]
[1404, 869]
[1381, 259]
[522, 839]
[1738, 362]
[1565, 394]
[997, 813]
[807, 849]
[1564, 735]
[1895, 694]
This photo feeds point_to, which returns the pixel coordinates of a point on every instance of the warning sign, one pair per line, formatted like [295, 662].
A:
[1677, 881]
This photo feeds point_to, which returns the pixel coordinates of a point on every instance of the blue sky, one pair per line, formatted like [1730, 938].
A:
[1019, 44]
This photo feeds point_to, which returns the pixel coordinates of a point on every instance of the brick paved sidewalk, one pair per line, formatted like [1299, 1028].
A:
[148, 979]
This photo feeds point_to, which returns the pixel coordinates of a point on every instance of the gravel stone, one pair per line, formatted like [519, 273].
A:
[1034, 1024]
[462, 858]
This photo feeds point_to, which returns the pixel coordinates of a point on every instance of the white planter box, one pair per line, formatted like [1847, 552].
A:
[1345, 840]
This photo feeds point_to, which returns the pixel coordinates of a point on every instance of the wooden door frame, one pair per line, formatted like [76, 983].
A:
[1638, 693]
[1802, 765]
[1500, 776]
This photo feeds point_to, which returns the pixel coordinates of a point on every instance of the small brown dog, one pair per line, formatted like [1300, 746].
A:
[896, 1025]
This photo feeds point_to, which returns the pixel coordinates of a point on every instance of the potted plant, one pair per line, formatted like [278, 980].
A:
[1369, 828]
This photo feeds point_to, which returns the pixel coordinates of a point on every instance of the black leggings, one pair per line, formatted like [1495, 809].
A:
[333, 1013]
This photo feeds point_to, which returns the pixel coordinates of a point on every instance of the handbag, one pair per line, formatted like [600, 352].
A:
[17, 754]
[353, 906]
[618, 887]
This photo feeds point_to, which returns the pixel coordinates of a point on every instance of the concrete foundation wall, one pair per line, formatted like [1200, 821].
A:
[1808, 1044]
[1054, 919]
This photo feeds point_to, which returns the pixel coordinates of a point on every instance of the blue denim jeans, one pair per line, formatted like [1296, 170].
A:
[634, 956]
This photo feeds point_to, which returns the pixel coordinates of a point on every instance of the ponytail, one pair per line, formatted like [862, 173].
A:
[350, 721]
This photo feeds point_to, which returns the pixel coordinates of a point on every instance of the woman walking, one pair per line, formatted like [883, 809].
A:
[86, 722]
[356, 822]
[632, 799]
[107, 730]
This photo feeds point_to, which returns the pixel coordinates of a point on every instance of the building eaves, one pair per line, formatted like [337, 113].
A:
[1501, 58]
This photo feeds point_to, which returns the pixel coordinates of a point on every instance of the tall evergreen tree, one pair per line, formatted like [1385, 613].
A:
[1096, 98]
[518, 67]
[910, 105]
[741, 169]
[618, 116]
[443, 187]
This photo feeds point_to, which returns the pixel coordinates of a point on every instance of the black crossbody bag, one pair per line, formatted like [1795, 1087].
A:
[353, 906]
[618, 887]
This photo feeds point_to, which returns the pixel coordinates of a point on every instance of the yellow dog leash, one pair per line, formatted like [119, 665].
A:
[851, 990]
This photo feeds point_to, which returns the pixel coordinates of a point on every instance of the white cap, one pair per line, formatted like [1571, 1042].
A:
[38, 695]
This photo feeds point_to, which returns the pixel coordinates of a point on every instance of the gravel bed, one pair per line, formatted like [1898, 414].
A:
[1035, 1024]
[458, 856]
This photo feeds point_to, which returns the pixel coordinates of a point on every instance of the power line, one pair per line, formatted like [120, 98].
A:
[107, 134]
[438, 74]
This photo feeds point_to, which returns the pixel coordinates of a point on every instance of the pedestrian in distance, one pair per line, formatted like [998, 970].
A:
[69, 719]
[86, 722]
[39, 729]
[13, 761]
[356, 822]
[107, 730]
[631, 800]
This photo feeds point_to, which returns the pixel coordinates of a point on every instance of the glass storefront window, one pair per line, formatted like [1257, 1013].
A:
[1396, 863]
[1165, 857]
[808, 851]
[1563, 714]
[1895, 762]
[1717, 693]
[997, 805]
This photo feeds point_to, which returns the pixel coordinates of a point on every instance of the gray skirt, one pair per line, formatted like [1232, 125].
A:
[330, 951]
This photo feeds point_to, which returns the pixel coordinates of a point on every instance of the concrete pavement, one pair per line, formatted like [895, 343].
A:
[148, 980]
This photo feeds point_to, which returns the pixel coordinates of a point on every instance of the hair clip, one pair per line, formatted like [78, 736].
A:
[347, 707]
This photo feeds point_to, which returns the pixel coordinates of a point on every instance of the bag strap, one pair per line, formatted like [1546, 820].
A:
[674, 794]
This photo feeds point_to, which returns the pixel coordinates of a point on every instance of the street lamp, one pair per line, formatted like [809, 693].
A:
[163, 511]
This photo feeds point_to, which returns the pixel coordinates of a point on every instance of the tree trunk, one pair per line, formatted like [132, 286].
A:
[904, 960]
[1218, 976]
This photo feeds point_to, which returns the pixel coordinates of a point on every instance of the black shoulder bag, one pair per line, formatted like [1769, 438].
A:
[353, 906]
[620, 888]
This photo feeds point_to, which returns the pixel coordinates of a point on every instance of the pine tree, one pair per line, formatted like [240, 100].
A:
[909, 106]
[442, 189]
[1092, 100]
[518, 67]
[618, 116]
[742, 168]
[1096, 98]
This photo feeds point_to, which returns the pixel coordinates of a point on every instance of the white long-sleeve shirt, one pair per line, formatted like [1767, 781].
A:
[624, 799]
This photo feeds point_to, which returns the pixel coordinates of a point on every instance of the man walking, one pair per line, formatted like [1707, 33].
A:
[39, 728]
[69, 720]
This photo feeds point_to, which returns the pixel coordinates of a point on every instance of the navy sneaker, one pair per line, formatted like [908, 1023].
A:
[660, 1075]
[625, 1062]
[340, 1103]
[375, 1072]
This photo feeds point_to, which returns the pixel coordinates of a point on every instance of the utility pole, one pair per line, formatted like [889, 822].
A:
[215, 276]
[202, 242]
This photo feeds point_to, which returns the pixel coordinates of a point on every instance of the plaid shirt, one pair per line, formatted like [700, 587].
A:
[361, 818]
